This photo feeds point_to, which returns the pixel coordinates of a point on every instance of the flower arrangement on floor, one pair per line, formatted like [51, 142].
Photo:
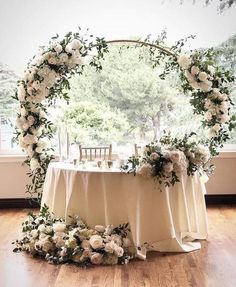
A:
[52, 239]
[167, 159]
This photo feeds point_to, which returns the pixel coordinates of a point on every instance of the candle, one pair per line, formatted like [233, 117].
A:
[59, 143]
[67, 144]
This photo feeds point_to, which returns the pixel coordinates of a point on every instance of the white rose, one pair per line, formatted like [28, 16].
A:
[63, 252]
[69, 48]
[117, 239]
[21, 93]
[29, 151]
[29, 75]
[96, 258]
[23, 112]
[119, 251]
[42, 228]
[63, 57]
[21, 142]
[44, 71]
[59, 227]
[224, 118]
[58, 239]
[96, 241]
[205, 86]
[30, 120]
[70, 63]
[224, 97]
[154, 156]
[184, 61]
[109, 229]
[30, 139]
[36, 132]
[71, 243]
[168, 168]
[36, 85]
[41, 145]
[76, 44]
[34, 164]
[34, 233]
[39, 150]
[100, 228]
[189, 77]
[216, 128]
[58, 48]
[202, 76]
[85, 255]
[86, 245]
[194, 70]
[208, 104]
[30, 89]
[208, 116]
[175, 156]
[110, 247]
[211, 69]
[126, 242]
[46, 245]
[20, 121]
[145, 170]
[224, 106]
[194, 84]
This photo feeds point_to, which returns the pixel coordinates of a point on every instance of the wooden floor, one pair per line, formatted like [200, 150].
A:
[212, 266]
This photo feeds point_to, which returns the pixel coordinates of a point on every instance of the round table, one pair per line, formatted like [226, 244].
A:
[167, 220]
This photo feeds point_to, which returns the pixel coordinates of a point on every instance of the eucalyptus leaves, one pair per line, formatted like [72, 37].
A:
[47, 79]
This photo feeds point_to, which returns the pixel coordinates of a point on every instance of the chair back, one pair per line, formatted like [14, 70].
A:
[137, 150]
[93, 153]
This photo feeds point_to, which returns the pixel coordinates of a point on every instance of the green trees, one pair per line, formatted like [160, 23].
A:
[133, 87]
[8, 81]
[95, 123]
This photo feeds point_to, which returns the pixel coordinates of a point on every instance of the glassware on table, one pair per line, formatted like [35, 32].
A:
[99, 163]
[63, 144]
[110, 163]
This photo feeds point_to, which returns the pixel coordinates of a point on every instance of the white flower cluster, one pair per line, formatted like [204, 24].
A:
[198, 155]
[43, 73]
[217, 104]
[167, 163]
[58, 242]
[197, 79]
[172, 160]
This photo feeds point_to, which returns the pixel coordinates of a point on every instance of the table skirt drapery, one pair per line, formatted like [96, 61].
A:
[167, 220]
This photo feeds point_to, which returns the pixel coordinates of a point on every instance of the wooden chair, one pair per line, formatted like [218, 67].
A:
[137, 150]
[92, 153]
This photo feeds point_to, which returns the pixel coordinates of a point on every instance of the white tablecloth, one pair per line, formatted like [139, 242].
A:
[168, 221]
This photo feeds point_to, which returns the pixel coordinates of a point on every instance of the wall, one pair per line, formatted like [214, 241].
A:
[13, 176]
[223, 181]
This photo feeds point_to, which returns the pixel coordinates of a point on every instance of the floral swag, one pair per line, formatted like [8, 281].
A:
[47, 79]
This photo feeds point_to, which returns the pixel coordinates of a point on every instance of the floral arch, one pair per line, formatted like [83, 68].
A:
[47, 79]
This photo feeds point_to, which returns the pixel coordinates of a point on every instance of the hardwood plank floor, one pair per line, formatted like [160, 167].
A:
[212, 266]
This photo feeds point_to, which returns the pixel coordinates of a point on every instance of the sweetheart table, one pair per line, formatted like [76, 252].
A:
[167, 221]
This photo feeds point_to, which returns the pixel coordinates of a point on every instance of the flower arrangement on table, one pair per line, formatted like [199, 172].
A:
[167, 159]
[52, 239]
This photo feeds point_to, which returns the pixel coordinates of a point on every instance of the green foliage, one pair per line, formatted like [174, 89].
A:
[128, 82]
[8, 81]
[95, 123]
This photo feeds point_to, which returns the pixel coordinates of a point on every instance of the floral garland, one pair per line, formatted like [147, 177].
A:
[47, 78]
[167, 159]
[50, 238]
